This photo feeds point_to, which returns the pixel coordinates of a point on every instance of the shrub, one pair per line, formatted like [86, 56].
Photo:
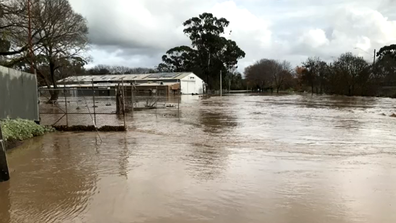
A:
[21, 129]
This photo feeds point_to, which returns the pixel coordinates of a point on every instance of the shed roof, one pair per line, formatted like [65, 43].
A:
[125, 77]
[114, 85]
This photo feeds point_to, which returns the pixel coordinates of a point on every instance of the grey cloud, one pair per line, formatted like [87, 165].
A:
[138, 32]
[119, 57]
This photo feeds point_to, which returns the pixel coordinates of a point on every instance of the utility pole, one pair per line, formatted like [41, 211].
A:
[375, 55]
[374, 61]
[4, 173]
[221, 83]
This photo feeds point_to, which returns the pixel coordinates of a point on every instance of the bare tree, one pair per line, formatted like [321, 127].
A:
[280, 71]
[258, 76]
[268, 73]
[12, 16]
[63, 39]
[58, 34]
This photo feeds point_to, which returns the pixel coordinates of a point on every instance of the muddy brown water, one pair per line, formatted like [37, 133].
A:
[234, 159]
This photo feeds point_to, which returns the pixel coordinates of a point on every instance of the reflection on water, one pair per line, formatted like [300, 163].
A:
[216, 120]
[290, 158]
[206, 162]
[5, 204]
[50, 180]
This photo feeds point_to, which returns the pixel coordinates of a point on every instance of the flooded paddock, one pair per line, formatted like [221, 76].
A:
[293, 158]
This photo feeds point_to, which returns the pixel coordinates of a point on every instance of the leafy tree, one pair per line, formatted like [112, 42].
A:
[237, 82]
[387, 51]
[234, 81]
[178, 59]
[209, 53]
[162, 67]
[314, 74]
[351, 68]
[385, 68]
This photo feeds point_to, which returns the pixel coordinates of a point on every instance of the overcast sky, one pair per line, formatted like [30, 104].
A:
[137, 33]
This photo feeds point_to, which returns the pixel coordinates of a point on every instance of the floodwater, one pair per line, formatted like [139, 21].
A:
[292, 158]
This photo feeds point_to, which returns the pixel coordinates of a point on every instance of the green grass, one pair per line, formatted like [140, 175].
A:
[20, 129]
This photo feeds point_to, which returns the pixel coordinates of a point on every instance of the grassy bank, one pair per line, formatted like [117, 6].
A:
[16, 130]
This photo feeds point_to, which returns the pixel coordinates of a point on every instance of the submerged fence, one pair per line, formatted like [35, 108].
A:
[18, 95]
[101, 107]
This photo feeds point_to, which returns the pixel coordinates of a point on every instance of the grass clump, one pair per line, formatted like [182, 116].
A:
[21, 129]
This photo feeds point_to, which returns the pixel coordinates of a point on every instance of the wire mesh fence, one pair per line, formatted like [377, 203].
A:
[102, 106]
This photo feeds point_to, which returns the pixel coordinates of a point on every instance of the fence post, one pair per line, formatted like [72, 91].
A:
[132, 88]
[156, 101]
[4, 173]
[178, 106]
[123, 103]
[67, 116]
[94, 102]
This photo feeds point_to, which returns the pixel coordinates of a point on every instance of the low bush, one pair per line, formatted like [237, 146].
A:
[21, 129]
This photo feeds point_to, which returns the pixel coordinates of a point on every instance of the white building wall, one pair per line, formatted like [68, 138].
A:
[191, 84]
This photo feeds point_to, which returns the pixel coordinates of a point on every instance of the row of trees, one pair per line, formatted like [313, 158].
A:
[350, 74]
[347, 75]
[106, 69]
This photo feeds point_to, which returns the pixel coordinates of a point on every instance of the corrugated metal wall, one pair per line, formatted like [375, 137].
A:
[18, 95]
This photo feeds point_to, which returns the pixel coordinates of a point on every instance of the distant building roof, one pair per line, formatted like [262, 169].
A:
[105, 85]
[125, 77]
